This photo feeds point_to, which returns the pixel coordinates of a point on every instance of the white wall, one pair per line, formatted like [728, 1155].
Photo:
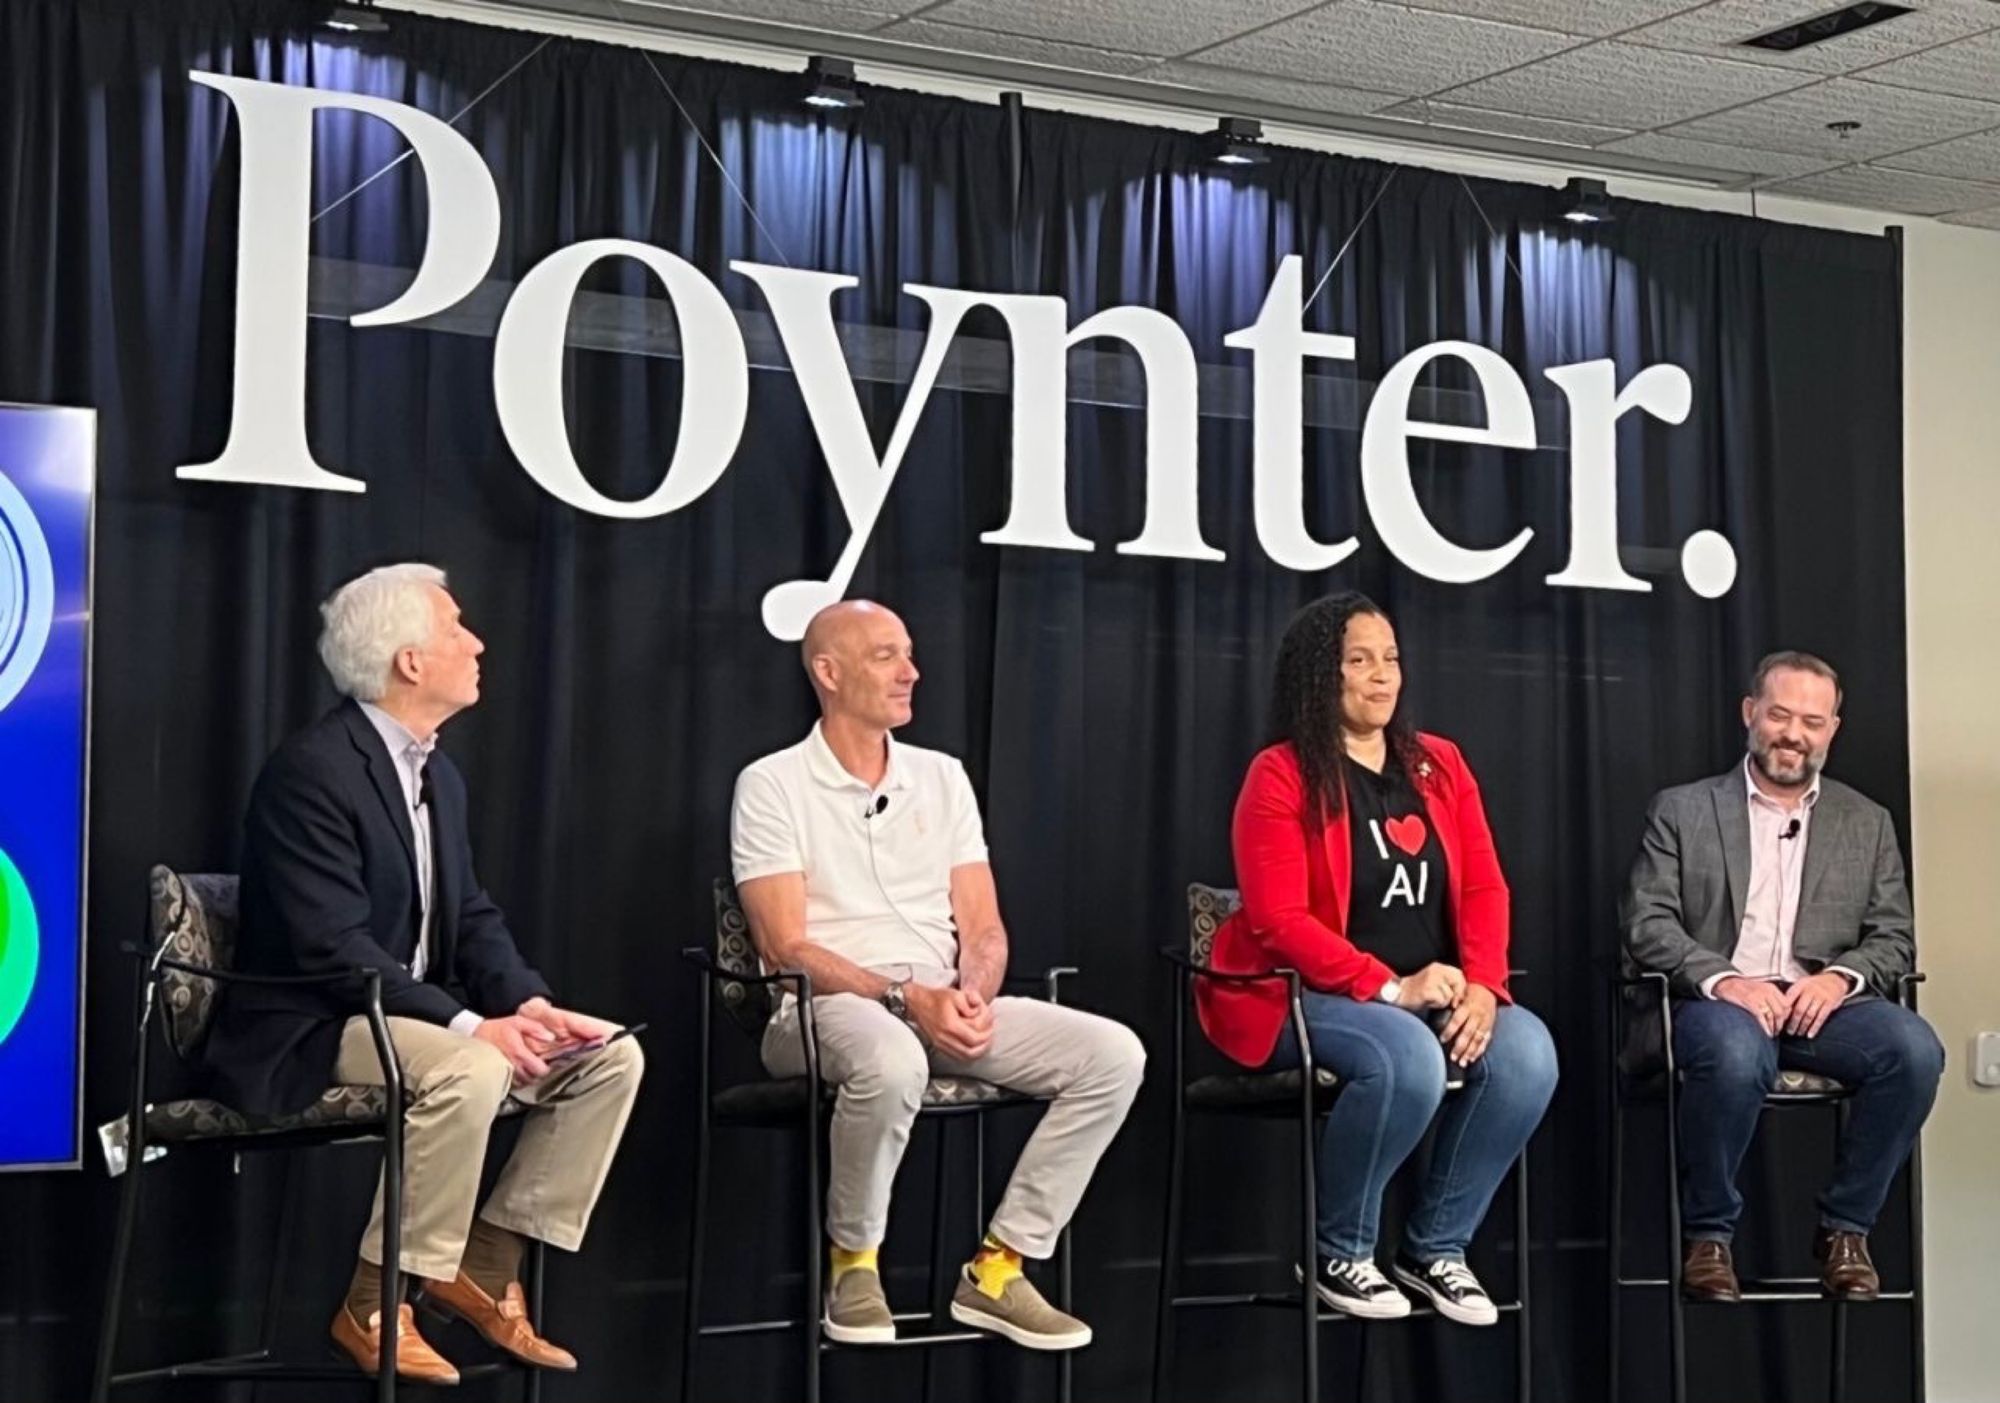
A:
[1952, 497]
[1951, 408]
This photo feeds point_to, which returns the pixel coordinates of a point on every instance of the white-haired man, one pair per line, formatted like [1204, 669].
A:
[863, 862]
[356, 856]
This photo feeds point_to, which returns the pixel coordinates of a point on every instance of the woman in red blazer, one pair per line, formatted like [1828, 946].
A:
[1366, 864]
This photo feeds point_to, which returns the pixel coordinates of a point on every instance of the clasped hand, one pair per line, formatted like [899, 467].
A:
[1468, 1032]
[538, 1032]
[957, 1022]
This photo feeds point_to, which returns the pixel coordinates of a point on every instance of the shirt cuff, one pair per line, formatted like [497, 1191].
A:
[1858, 981]
[1708, 984]
[465, 1023]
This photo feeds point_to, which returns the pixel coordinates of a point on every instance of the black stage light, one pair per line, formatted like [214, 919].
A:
[1238, 141]
[1585, 201]
[355, 17]
[830, 83]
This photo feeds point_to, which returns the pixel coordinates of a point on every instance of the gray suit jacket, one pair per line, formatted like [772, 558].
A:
[1683, 903]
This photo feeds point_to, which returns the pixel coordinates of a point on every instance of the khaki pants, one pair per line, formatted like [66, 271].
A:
[453, 1087]
[1089, 1066]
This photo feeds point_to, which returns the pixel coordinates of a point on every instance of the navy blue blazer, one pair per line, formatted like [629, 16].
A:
[329, 883]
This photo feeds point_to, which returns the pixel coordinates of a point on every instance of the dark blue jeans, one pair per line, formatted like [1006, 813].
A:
[1392, 1068]
[1888, 1055]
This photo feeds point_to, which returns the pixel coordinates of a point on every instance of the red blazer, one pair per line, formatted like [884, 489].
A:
[1295, 890]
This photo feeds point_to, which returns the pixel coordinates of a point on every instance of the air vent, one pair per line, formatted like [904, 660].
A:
[1803, 34]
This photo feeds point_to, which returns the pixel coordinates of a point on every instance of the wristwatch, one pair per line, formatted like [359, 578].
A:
[1391, 992]
[895, 1001]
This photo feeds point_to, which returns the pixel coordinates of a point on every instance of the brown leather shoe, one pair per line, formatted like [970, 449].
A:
[415, 1359]
[1708, 1273]
[504, 1322]
[1845, 1269]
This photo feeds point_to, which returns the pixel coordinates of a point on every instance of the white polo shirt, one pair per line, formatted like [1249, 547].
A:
[877, 862]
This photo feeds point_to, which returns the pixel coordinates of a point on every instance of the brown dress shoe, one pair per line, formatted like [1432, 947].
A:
[1845, 1269]
[415, 1359]
[1709, 1274]
[504, 1322]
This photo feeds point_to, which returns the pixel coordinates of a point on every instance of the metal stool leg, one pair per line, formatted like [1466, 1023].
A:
[1524, 1366]
[697, 1247]
[121, 1261]
[1170, 1250]
[1309, 1247]
[936, 1296]
[1676, 1306]
[538, 1263]
[1616, 1243]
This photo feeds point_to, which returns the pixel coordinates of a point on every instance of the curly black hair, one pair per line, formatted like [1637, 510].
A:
[1305, 705]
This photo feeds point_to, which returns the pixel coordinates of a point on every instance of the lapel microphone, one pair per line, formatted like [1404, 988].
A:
[879, 805]
[1791, 829]
[425, 792]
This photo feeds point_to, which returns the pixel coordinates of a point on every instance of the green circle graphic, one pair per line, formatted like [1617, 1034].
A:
[20, 945]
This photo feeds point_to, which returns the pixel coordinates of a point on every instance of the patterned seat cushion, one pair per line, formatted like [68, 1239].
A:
[1245, 1091]
[358, 1108]
[193, 920]
[1208, 908]
[780, 1100]
[1792, 1083]
[1788, 1083]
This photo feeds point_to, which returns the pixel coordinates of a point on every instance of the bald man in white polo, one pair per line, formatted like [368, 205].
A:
[863, 862]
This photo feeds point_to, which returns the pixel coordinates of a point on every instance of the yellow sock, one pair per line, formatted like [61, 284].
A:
[994, 1265]
[845, 1261]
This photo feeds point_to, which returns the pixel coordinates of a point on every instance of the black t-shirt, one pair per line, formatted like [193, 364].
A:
[1395, 907]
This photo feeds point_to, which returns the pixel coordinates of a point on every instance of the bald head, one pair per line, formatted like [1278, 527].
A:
[860, 660]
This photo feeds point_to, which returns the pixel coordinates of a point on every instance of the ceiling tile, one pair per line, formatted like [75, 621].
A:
[1969, 68]
[1876, 188]
[1138, 26]
[1449, 116]
[1892, 119]
[1626, 85]
[859, 18]
[959, 38]
[1979, 218]
[1719, 28]
[1658, 146]
[1966, 157]
[1225, 83]
[1386, 47]
[1592, 17]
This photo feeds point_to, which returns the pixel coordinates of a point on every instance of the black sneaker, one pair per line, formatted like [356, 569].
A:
[1359, 1289]
[1452, 1288]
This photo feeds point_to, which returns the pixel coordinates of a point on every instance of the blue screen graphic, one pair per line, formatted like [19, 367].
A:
[47, 470]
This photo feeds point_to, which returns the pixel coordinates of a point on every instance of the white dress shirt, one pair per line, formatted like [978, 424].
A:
[408, 756]
[1778, 837]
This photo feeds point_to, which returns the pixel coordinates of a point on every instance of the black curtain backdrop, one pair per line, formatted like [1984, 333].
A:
[1104, 704]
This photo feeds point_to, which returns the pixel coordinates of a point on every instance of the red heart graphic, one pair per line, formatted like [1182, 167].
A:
[1407, 833]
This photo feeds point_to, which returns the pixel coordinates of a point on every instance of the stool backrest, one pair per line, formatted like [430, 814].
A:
[749, 1005]
[1208, 908]
[192, 916]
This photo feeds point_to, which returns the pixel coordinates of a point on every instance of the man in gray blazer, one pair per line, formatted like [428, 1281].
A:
[1773, 900]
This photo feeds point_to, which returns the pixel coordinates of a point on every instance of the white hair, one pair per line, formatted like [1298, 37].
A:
[370, 619]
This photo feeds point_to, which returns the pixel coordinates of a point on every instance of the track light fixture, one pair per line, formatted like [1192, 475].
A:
[830, 83]
[1238, 141]
[1585, 201]
[355, 17]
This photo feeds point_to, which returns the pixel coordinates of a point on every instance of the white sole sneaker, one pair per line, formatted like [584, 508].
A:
[1026, 1339]
[1464, 1314]
[1391, 1308]
[856, 1334]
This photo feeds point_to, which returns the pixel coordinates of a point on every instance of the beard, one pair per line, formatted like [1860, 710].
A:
[1783, 765]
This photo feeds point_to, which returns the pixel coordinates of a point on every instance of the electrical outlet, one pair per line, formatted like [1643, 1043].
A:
[1986, 1059]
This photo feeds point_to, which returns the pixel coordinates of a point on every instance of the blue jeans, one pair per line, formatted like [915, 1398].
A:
[1886, 1053]
[1392, 1072]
